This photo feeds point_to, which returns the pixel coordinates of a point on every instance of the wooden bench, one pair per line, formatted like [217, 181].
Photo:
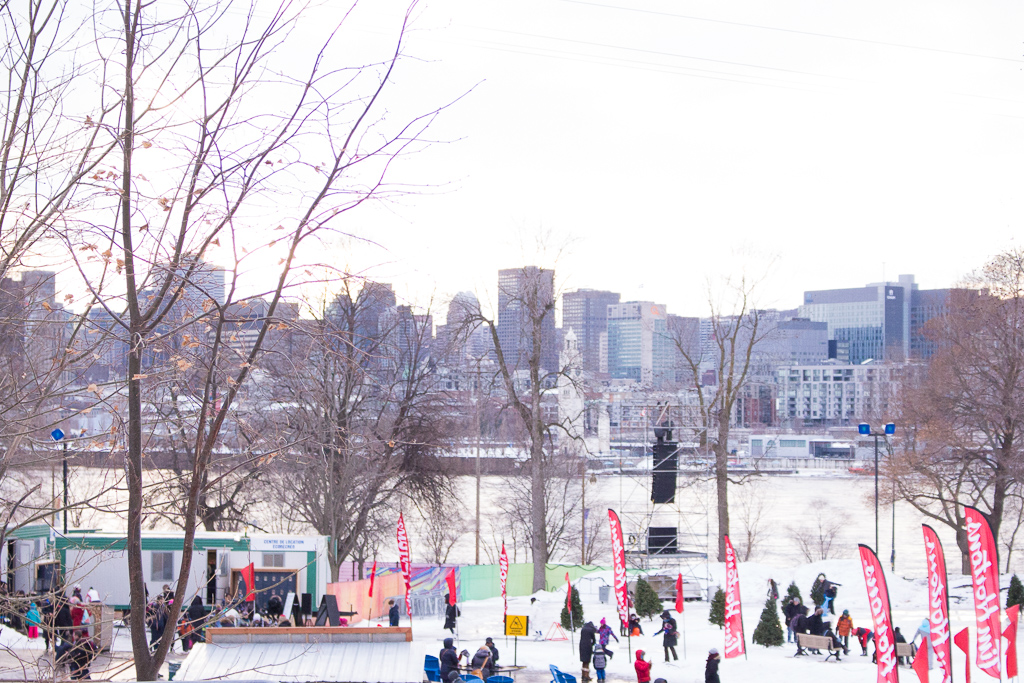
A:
[809, 642]
[906, 650]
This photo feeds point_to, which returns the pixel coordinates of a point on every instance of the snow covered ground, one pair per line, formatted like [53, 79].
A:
[764, 665]
[483, 618]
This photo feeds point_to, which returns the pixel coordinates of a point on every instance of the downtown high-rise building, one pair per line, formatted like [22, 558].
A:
[639, 344]
[880, 321]
[525, 293]
[585, 312]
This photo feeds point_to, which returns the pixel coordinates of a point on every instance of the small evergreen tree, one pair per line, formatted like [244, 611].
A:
[577, 612]
[717, 614]
[769, 628]
[818, 591]
[646, 602]
[1015, 596]
[794, 592]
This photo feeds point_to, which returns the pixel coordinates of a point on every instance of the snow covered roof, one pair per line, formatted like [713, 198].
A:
[267, 656]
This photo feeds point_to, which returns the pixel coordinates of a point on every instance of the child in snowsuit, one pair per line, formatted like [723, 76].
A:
[600, 662]
[604, 636]
[843, 629]
[33, 620]
[643, 669]
[864, 636]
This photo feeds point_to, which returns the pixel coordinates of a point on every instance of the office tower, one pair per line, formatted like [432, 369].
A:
[639, 345]
[585, 311]
[526, 294]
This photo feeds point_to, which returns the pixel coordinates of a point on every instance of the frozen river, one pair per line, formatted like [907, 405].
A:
[778, 510]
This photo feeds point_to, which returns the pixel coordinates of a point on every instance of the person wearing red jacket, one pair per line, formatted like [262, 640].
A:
[643, 669]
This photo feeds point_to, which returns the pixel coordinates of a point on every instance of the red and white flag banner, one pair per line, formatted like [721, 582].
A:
[619, 567]
[734, 641]
[878, 601]
[405, 562]
[1010, 633]
[503, 575]
[938, 603]
[373, 576]
[680, 602]
[962, 641]
[985, 577]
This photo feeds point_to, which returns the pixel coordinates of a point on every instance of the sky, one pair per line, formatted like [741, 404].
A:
[660, 148]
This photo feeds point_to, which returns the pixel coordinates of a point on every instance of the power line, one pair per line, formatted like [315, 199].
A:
[794, 31]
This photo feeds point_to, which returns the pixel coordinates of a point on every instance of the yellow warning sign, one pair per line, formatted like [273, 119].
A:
[517, 625]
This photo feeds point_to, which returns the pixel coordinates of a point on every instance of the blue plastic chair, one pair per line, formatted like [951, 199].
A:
[567, 678]
[431, 661]
[500, 679]
[556, 675]
[471, 677]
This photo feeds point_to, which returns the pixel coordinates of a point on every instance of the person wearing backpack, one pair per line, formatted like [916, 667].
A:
[600, 662]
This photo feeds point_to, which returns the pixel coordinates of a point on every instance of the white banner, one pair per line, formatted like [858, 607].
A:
[282, 544]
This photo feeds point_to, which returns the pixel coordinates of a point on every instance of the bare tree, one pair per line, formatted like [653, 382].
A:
[717, 366]
[963, 417]
[752, 513]
[822, 541]
[201, 150]
[361, 423]
[527, 363]
[443, 526]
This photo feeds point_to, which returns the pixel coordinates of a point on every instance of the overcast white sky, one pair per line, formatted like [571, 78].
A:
[680, 142]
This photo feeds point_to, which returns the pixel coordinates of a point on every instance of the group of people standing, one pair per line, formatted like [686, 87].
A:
[483, 663]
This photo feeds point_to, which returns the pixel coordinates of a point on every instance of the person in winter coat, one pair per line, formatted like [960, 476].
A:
[392, 613]
[844, 627]
[643, 668]
[604, 635]
[600, 662]
[588, 637]
[815, 623]
[864, 636]
[792, 609]
[83, 651]
[451, 613]
[482, 663]
[196, 616]
[711, 668]
[900, 638]
[634, 625]
[448, 660]
[157, 623]
[494, 652]
[671, 637]
[33, 619]
[62, 624]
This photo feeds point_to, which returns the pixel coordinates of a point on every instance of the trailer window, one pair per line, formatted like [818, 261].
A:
[163, 567]
[273, 559]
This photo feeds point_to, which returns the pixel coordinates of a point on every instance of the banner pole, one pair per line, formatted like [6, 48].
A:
[683, 615]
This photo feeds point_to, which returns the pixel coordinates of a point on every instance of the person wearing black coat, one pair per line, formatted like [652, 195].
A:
[671, 638]
[196, 616]
[494, 652]
[711, 668]
[588, 637]
[815, 625]
[798, 625]
[392, 613]
[449, 661]
[62, 621]
[451, 613]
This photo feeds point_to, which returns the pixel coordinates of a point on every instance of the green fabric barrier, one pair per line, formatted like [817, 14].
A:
[479, 582]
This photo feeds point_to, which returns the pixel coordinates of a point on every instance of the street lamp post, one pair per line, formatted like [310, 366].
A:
[864, 429]
[58, 436]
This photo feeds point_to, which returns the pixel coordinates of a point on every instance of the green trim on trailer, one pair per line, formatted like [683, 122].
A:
[30, 531]
[160, 543]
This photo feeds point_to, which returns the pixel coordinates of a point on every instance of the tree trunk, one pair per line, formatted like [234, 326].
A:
[538, 508]
[722, 490]
[965, 553]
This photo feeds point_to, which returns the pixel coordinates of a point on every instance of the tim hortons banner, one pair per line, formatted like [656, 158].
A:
[503, 575]
[619, 567]
[878, 601]
[985, 577]
[405, 562]
[734, 642]
[938, 603]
